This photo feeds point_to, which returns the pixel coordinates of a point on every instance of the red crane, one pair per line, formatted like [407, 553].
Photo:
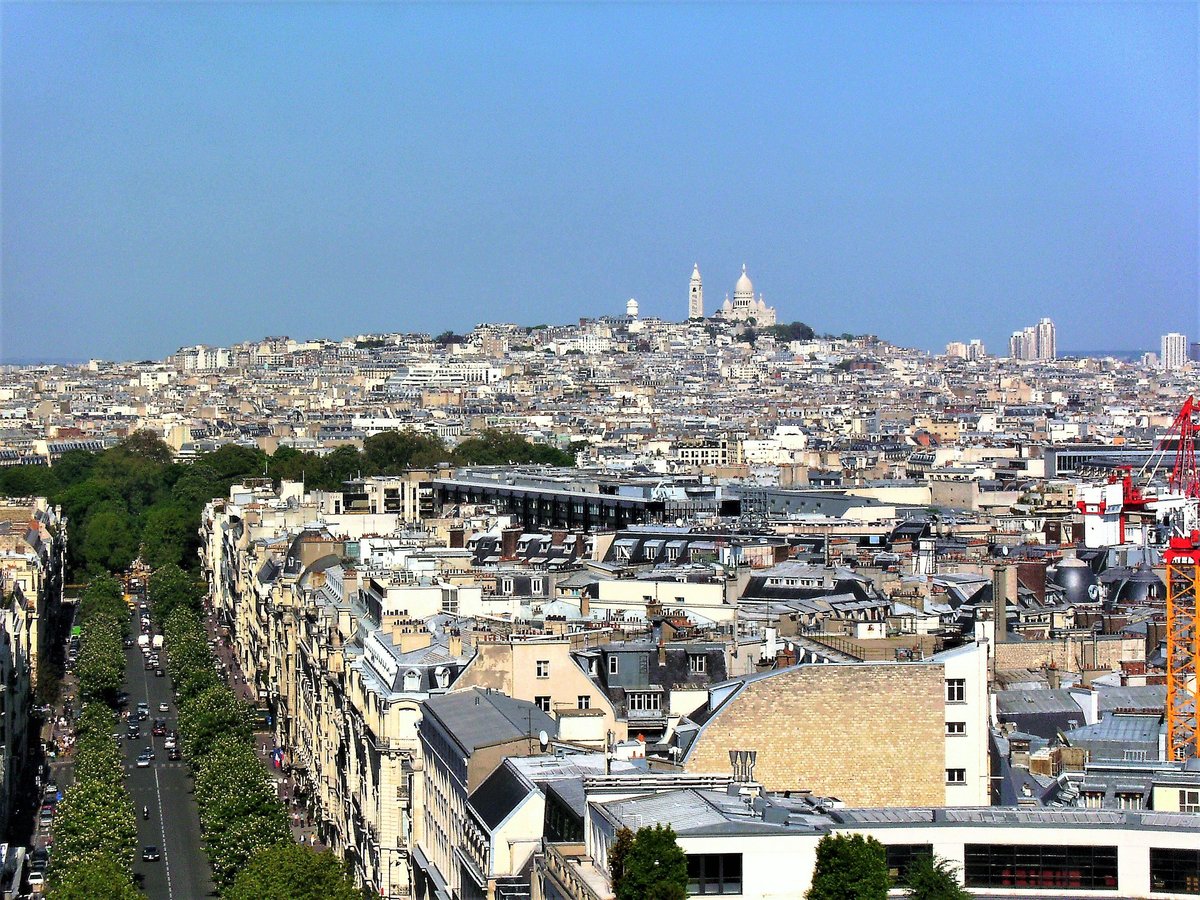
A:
[1185, 479]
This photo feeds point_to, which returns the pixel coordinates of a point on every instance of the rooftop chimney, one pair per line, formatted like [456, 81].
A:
[1004, 592]
[508, 542]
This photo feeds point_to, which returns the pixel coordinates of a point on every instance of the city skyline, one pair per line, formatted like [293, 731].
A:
[925, 173]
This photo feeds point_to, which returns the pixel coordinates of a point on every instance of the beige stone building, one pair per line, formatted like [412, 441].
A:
[32, 550]
[542, 670]
[869, 734]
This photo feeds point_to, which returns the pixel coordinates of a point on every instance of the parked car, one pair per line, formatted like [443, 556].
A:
[37, 880]
[150, 854]
[45, 818]
[39, 858]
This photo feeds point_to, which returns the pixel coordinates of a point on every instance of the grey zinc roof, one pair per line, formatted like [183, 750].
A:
[1118, 729]
[477, 718]
[1035, 701]
[1149, 696]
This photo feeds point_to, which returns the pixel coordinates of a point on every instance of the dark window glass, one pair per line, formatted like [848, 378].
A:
[1177, 871]
[1040, 868]
[901, 856]
[714, 873]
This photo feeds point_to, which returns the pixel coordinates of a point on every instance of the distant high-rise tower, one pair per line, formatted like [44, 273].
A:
[696, 295]
[1174, 351]
[1047, 348]
[631, 308]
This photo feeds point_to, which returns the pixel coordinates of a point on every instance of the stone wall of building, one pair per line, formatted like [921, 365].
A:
[867, 734]
[1071, 653]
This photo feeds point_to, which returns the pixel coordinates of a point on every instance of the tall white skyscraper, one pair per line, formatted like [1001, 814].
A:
[1047, 348]
[696, 295]
[1174, 351]
[1035, 342]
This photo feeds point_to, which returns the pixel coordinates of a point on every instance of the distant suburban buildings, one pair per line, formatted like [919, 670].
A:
[969, 351]
[1037, 342]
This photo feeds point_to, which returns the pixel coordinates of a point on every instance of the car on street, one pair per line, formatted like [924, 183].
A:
[150, 854]
[159, 673]
[128, 642]
[133, 733]
[45, 818]
[51, 790]
[174, 754]
[164, 706]
[39, 858]
[37, 880]
[144, 760]
[159, 728]
[171, 741]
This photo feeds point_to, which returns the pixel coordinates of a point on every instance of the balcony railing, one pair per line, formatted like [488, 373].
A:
[569, 873]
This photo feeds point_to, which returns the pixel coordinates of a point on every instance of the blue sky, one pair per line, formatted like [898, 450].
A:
[212, 172]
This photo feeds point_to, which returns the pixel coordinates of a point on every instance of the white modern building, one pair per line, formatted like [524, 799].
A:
[1174, 354]
[763, 846]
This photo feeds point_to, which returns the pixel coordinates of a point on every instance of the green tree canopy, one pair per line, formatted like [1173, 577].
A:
[395, 451]
[793, 331]
[98, 877]
[653, 867]
[292, 872]
[171, 588]
[849, 867]
[494, 448]
[932, 878]
[206, 717]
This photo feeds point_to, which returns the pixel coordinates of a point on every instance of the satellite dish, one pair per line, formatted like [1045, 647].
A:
[543, 739]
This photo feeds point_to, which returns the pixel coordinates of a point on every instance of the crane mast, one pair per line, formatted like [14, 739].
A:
[1183, 628]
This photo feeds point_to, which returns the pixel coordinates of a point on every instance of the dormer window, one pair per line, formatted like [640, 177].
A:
[412, 680]
[442, 677]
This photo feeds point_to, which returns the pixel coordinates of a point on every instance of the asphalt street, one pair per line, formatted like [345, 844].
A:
[165, 786]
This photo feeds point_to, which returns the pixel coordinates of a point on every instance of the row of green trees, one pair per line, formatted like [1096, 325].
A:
[95, 832]
[245, 826]
[104, 623]
[134, 500]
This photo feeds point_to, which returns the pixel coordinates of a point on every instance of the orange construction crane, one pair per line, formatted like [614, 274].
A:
[1183, 628]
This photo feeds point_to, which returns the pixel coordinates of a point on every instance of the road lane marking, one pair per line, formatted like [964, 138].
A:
[162, 827]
